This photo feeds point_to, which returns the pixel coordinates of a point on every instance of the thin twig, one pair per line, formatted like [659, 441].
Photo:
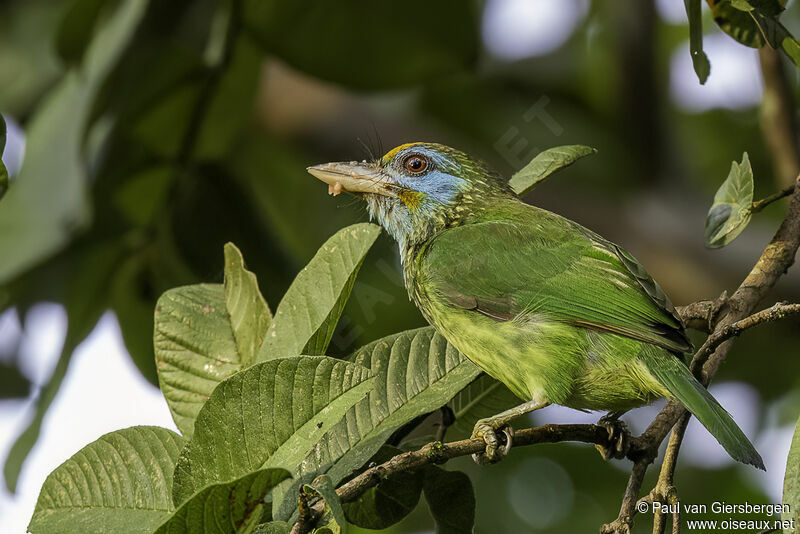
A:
[774, 313]
[759, 205]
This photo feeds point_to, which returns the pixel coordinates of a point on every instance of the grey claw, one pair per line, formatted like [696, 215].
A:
[509, 434]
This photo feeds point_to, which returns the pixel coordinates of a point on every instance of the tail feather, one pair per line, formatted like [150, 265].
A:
[677, 378]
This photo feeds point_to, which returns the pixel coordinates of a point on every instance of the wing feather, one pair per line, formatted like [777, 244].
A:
[535, 262]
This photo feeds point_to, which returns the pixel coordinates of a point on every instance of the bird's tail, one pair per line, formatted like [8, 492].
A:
[677, 378]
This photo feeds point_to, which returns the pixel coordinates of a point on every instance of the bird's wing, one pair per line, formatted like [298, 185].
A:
[540, 263]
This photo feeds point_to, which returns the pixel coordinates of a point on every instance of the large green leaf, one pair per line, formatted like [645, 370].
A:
[269, 415]
[416, 372]
[49, 202]
[308, 313]
[450, 499]
[120, 483]
[367, 44]
[546, 163]
[484, 397]
[730, 213]
[232, 508]
[702, 67]
[205, 333]
[791, 482]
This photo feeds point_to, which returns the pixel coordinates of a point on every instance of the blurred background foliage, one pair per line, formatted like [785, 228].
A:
[154, 132]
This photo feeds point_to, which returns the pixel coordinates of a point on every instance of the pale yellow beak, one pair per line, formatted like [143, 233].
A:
[355, 177]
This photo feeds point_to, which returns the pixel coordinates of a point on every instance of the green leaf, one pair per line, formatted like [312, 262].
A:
[205, 333]
[3, 179]
[141, 198]
[308, 313]
[702, 67]
[13, 384]
[416, 372]
[755, 23]
[451, 500]
[390, 501]
[791, 481]
[484, 397]
[233, 508]
[269, 415]
[273, 527]
[327, 39]
[120, 483]
[324, 487]
[546, 163]
[129, 294]
[730, 213]
[249, 314]
[76, 29]
[85, 301]
[49, 202]
[230, 110]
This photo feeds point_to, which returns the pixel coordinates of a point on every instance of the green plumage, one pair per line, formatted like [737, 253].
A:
[549, 308]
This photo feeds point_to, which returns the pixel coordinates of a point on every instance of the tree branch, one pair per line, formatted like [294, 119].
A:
[438, 453]
[774, 261]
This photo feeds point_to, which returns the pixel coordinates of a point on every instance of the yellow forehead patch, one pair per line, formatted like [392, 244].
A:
[389, 156]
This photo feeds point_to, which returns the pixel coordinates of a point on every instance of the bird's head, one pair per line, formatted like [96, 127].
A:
[416, 189]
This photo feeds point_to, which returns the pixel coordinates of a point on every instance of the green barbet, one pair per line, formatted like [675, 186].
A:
[549, 308]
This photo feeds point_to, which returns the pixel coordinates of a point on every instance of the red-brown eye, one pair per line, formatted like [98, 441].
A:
[415, 164]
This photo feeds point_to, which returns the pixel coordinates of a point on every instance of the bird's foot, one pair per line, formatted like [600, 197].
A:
[618, 437]
[497, 446]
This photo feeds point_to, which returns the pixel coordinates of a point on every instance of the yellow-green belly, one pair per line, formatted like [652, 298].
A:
[538, 358]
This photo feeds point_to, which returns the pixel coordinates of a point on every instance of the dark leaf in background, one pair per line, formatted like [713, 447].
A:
[13, 384]
[484, 397]
[49, 201]
[324, 487]
[702, 67]
[352, 41]
[390, 501]
[755, 23]
[86, 300]
[450, 499]
[130, 297]
[76, 29]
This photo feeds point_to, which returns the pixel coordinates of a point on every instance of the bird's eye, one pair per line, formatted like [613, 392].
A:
[415, 164]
